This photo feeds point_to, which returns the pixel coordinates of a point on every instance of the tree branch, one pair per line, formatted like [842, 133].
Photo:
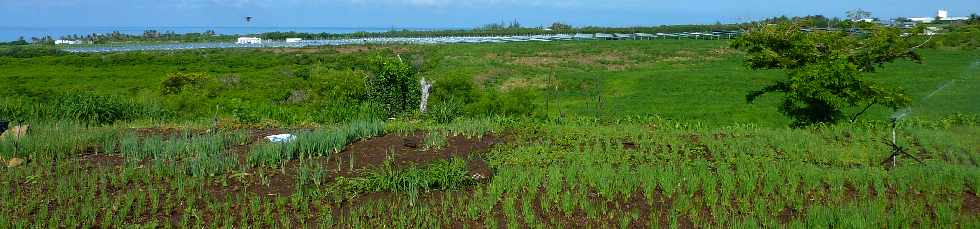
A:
[853, 119]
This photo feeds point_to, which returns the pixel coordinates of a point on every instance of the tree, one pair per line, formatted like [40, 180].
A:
[19, 41]
[514, 25]
[557, 26]
[858, 14]
[824, 70]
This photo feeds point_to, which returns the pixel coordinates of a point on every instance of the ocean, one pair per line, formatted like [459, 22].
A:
[8, 33]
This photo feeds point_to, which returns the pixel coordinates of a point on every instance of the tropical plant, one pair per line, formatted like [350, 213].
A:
[824, 69]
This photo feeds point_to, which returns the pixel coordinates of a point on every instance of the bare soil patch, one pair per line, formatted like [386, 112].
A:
[971, 203]
[404, 151]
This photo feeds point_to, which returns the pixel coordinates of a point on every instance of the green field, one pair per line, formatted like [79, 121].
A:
[561, 134]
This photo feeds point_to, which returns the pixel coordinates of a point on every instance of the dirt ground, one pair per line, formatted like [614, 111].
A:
[367, 155]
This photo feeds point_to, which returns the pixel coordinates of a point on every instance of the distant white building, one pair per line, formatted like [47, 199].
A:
[294, 40]
[67, 42]
[249, 41]
[942, 15]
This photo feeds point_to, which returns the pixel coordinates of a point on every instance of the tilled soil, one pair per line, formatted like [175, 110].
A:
[404, 151]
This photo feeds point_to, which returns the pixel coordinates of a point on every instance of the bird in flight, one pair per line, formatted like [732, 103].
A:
[248, 19]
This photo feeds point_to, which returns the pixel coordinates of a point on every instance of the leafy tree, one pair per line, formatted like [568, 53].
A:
[558, 26]
[858, 14]
[824, 70]
[395, 86]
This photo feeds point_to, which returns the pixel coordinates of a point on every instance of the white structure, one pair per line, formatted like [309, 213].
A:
[922, 19]
[424, 101]
[942, 15]
[294, 40]
[249, 41]
[67, 42]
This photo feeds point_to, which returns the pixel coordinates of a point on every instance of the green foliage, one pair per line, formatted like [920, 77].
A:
[517, 102]
[342, 111]
[338, 85]
[176, 82]
[446, 111]
[96, 109]
[464, 73]
[30, 51]
[435, 140]
[317, 143]
[824, 69]
[244, 112]
[440, 175]
[394, 86]
[558, 26]
[456, 87]
[962, 36]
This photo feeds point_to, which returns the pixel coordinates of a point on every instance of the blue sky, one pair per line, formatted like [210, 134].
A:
[440, 13]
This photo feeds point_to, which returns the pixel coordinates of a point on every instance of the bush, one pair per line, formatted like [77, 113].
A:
[394, 86]
[244, 112]
[459, 88]
[176, 82]
[340, 85]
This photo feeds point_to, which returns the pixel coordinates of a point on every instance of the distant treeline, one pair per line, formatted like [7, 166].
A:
[504, 31]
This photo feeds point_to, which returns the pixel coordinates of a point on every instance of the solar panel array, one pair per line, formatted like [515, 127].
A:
[390, 40]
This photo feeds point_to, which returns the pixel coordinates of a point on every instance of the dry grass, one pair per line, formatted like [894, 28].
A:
[522, 83]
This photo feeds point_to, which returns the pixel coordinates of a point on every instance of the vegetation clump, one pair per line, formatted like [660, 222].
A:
[176, 82]
[826, 72]
[394, 86]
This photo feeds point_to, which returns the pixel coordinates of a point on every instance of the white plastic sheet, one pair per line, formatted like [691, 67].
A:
[280, 138]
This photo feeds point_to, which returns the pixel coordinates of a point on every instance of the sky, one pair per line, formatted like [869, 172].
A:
[442, 13]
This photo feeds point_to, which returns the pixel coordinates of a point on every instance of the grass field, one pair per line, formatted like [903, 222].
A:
[631, 134]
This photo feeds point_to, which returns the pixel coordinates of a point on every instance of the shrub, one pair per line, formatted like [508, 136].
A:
[176, 82]
[458, 88]
[394, 86]
[340, 85]
[244, 112]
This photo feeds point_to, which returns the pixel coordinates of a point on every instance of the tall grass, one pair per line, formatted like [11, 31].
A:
[318, 143]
